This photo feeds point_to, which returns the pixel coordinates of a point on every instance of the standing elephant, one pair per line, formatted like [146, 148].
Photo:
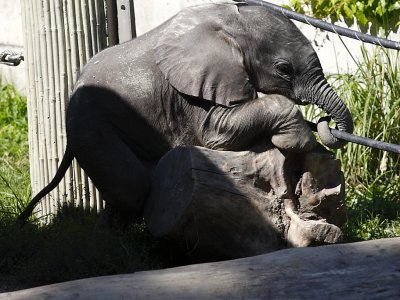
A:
[192, 81]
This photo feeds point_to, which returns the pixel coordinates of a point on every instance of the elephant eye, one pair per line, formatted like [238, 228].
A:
[284, 69]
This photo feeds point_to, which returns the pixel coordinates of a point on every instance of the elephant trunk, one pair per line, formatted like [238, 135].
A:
[322, 94]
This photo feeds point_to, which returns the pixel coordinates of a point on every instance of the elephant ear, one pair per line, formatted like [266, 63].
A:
[199, 58]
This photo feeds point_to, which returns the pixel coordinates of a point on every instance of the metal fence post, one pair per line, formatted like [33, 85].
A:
[126, 20]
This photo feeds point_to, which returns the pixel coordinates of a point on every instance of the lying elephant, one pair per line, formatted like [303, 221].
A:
[192, 81]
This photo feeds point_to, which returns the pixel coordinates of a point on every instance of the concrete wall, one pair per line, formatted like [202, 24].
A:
[151, 13]
[11, 37]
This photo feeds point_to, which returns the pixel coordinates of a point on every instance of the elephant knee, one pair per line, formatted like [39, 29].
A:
[292, 132]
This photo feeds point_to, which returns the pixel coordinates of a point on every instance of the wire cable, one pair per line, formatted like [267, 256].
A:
[10, 58]
[363, 37]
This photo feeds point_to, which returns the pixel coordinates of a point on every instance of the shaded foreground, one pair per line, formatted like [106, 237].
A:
[363, 270]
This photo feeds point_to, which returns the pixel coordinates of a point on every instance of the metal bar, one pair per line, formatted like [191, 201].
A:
[112, 23]
[363, 37]
[10, 58]
[126, 20]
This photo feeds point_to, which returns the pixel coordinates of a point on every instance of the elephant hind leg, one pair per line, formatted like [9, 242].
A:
[120, 176]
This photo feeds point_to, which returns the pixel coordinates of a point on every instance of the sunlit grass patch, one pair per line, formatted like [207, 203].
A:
[14, 151]
[372, 94]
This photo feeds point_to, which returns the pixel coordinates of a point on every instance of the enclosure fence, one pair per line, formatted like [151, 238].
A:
[60, 36]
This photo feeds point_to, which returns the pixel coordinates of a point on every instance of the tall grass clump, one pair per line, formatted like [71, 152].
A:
[70, 248]
[372, 93]
[14, 152]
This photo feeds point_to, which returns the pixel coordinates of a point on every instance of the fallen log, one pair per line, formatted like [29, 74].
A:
[364, 270]
[225, 204]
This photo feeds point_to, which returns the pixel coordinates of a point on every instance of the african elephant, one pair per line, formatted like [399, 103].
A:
[192, 81]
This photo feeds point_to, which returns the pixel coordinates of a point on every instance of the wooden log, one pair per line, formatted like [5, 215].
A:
[223, 204]
[364, 270]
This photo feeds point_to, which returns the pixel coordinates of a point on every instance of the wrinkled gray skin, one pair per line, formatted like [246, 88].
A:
[194, 81]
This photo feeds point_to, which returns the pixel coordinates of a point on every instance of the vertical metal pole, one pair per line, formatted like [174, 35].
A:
[126, 20]
[112, 23]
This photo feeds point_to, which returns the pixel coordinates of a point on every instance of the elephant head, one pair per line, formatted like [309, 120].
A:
[227, 53]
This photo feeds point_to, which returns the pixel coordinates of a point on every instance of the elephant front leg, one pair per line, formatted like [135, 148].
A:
[273, 116]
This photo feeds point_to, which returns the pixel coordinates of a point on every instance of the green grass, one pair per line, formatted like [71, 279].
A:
[372, 93]
[14, 157]
[70, 248]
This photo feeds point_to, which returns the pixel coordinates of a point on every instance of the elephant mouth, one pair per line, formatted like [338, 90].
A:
[261, 95]
[284, 91]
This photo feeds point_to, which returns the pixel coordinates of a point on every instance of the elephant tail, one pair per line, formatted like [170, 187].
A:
[62, 169]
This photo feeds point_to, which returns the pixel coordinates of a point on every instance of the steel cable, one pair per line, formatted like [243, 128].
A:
[363, 37]
[359, 139]
[10, 58]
